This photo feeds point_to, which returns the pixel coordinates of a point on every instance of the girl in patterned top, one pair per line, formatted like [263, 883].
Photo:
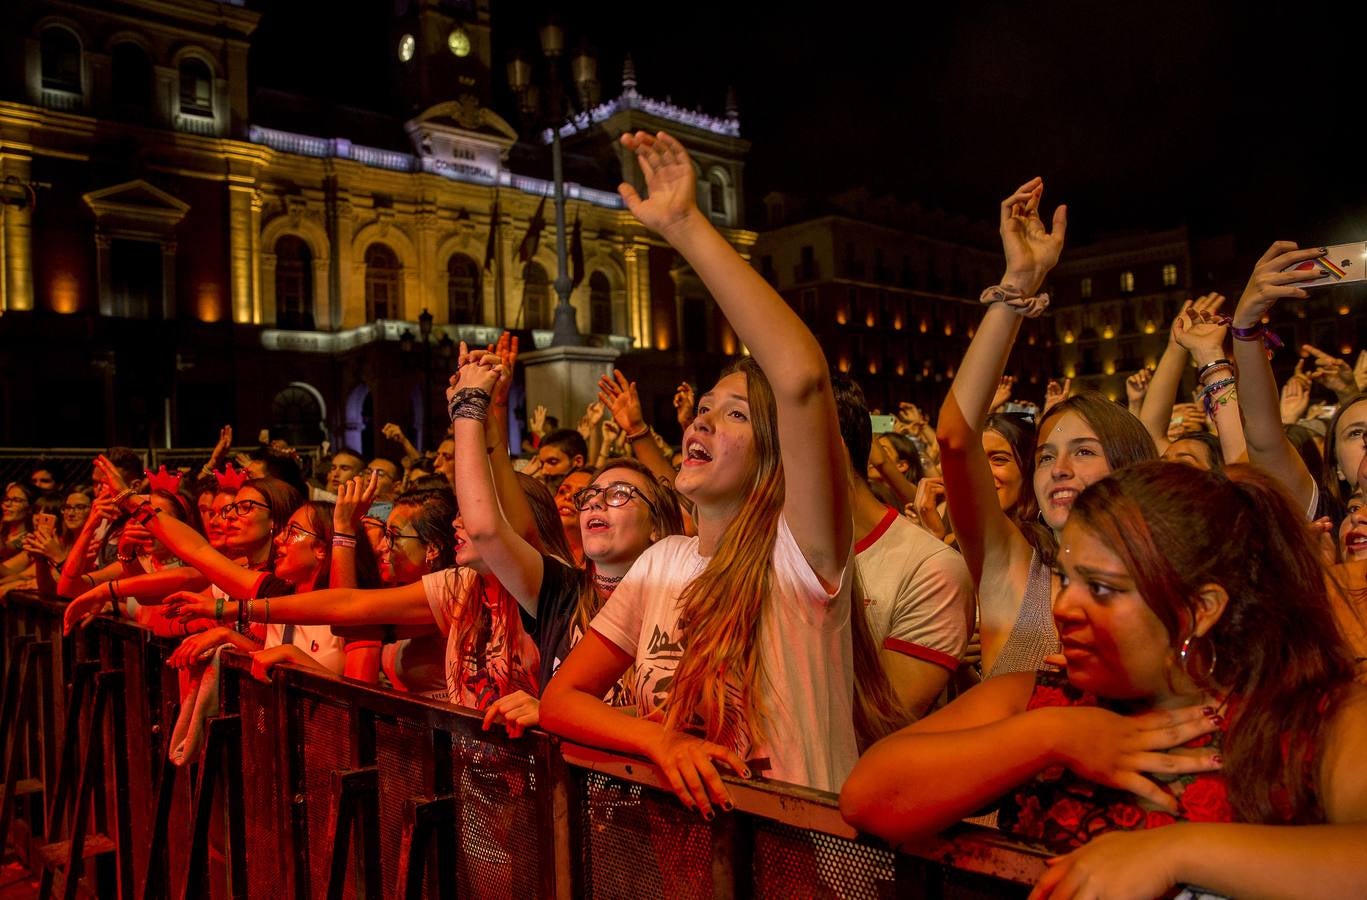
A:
[1207, 685]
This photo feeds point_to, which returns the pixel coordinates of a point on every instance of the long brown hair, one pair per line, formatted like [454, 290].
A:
[1276, 647]
[720, 609]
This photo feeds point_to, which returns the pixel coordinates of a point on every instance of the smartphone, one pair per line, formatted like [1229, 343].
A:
[1340, 264]
[882, 424]
[45, 523]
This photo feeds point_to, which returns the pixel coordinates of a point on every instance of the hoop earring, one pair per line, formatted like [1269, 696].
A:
[1185, 656]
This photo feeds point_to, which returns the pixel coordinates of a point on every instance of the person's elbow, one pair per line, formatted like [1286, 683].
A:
[554, 700]
[864, 804]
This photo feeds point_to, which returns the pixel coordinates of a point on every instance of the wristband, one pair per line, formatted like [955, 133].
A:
[1258, 332]
[341, 540]
[1205, 370]
[145, 513]
[132, 557]
[342, 534]
[469, 403]
[1013, 297]
[113, 592]
[218, 609]
[644, 431]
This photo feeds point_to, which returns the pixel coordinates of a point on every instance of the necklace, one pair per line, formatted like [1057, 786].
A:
[606, 584]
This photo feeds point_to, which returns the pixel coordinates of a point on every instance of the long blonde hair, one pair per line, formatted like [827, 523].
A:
[721, 608]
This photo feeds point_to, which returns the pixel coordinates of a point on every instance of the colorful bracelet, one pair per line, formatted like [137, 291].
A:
[1258, 332]
[469, 403]
[343, 540]
[218, 609]
[643, 431]
[1209, 367]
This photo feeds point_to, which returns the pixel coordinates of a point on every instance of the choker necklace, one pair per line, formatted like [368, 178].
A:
[606, 583]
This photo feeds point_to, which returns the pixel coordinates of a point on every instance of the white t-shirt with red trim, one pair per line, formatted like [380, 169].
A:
[917, 592]
[805, 648]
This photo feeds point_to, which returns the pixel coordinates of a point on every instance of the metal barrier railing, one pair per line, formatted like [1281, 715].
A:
[315, 786]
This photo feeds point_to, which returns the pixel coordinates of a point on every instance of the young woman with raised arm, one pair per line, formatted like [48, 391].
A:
[764, 587]
[1207, 729]
[1078, 441]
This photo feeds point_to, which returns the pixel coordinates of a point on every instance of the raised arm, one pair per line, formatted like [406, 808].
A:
[792, 360]
[1268, 446]
[1202, 336]
[353, 500]
[406, 605]
[511, 499]
[989, 541]
[516, 564]
[74, 580]
[619, 395]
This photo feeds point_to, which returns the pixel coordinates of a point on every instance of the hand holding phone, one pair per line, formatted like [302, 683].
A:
[45, 524]
[1339, 264]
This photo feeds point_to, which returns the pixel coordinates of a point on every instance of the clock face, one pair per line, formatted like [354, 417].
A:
[406, 47]
[459, 42]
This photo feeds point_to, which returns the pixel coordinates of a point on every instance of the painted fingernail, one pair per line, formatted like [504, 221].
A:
[728, 806]
[1324, 249]
[1209, 711]
[708, 815]
[1216, 759]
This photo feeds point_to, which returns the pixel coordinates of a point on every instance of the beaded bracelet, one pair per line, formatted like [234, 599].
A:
[470, 403]
[1210, 401]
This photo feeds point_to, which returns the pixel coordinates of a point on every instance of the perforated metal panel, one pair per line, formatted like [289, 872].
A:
[641, 843]
[326, 731]
[791, 862]
[265, 794]
[499, 852]
[404, 756]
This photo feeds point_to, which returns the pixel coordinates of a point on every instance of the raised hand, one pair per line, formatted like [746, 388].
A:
[537, 423]
[593, 414]
[518, 711]
[910, 414]
[506, 351]
[1055, 392]
[1269, 283]
[619, 396]
[225, 443]
[1136, 386]
[1295, 396]
[1031, 250]
[671, 188]
[477, 369]
[354, 497]
[930, 493]
[611, 431]
[112, 476]
[1200, 330]
[1360, 371]
[1003, 394]
[1117, 750]
[1330, 371]
[684, 403]
[394, 433]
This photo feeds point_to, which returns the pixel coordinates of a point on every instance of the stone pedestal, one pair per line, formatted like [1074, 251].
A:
[565, 379]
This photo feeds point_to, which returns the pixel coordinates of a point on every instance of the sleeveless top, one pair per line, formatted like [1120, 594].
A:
[1033, 635]
[1060, 808]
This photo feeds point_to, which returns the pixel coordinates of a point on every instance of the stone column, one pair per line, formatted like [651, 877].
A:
[18, 239]
[242, 238]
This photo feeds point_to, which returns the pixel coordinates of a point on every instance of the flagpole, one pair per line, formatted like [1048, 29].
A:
[566, 332]
[499, 301]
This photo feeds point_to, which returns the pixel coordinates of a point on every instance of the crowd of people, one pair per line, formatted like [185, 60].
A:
[1132, 632]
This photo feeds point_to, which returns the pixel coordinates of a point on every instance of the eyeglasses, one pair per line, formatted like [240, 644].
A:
[240, 508]
[75, 507]
[377, 471]
[15, 501]
[297, 532]
[390, 536]
[619, 493]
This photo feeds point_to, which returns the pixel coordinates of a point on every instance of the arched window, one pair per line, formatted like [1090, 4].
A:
[196, 88]
[381, 283]
[131, 76]
[462, 290]
[293, 283]
[600, 304]
[61, 60]
[536, 297]
[719, 196]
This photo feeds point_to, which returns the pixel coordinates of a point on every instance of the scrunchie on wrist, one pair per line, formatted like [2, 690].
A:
[1012, 296]
[469, 403]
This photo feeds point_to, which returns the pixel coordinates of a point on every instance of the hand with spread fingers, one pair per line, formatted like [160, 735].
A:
[1200, 330]
[1031, 249]
[671, 184]
[684, 403]
[1295, 398]
[1332, 372]
[1055, 392]
[1003, 394]
[619, 396]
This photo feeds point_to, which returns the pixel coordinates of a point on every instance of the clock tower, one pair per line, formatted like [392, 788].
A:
[443, 50]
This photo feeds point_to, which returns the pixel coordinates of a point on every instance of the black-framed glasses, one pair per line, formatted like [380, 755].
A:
[240, 508]
[74, 507]
[391, 537]
[619, 493]
[297, 532]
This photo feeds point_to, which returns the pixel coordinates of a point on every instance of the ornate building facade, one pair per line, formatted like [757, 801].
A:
[181, 250]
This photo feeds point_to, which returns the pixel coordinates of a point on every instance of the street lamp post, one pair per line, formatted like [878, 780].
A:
[445, 350]
[519, 78]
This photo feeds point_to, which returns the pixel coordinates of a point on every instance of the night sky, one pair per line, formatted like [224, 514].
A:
[1141, 115]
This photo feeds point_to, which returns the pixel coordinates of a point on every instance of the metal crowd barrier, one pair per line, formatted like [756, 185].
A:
[315, 786]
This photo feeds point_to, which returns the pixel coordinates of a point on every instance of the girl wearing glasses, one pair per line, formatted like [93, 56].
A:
[764, 587]
[623, 511]
[15, 512]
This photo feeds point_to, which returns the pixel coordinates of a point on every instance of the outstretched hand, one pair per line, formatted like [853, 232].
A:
[478, 369]
[1055, 392]
[354, 497]
[1031, 249]
[1295, 396]
[1200, 330]
[1330, 371]
[684, 403]
[1003, 394]
[671, 185]
[1270, 283]
[619, 395]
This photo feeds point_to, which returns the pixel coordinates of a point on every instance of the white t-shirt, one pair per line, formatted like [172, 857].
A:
[317, 641]
[918, 595]
[805, 648]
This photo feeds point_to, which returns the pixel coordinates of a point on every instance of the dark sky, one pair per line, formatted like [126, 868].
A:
[1140, 115]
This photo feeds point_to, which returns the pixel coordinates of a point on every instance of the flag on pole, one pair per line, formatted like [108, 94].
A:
[576, 255]
[490, 246]
[532, 239]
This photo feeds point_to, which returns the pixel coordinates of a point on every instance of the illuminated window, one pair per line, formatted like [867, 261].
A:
[536, 296]
[382, 272]
[1126, 282]
[196, 88]
[60, 54]
[1169, 275]
[1086, 287]
[293, 283]
[462, 289]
